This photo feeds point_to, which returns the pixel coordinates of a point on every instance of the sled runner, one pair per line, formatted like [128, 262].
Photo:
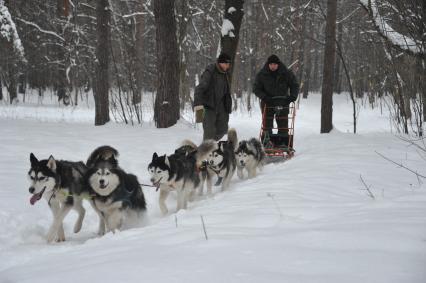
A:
[278, 142]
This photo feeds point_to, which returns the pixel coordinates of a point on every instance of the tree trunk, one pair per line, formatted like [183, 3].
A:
[229, 40]
[1, 90]
[184, 55]
[139, 64]
[62, 12]
[308, 65]
[329, 59]
[316, 71]
[102, 54]
[422, 65]
[337, 74]
[166, 109]
[12, 87]
[424, 93]
[407, 105]
[301, 46]
[184, 90]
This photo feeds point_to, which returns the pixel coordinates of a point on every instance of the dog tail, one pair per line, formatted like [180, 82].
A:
[260, 150]
[104, 152]
[232, 138]
[204, 149]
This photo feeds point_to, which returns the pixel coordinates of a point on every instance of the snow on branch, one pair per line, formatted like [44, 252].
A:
[231, 10]
[227, 28]
[135, 14]
[405, 43]
[41, 30]
[8, 30]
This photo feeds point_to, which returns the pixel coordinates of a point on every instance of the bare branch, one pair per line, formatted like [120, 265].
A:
[42, 30]
[367, 188]
[399, 41]
[402, 166]
[204, 227]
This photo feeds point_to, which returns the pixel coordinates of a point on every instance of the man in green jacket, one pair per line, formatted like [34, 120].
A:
[213, 97]
[272, 85]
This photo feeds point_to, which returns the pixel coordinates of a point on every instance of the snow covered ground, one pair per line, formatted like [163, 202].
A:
[306, 220]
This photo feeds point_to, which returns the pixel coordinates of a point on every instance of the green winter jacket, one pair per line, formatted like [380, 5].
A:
[213, 89]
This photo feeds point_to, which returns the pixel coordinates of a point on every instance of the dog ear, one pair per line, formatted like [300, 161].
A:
[222, 146]
[251, 148]
[154, 156]
[33, 159]
[166, 161]
[51, 163]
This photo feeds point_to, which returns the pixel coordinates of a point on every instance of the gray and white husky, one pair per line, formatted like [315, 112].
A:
[60, 183]
[178, 172]
[117, 196]
[250, 157]
[222, 161]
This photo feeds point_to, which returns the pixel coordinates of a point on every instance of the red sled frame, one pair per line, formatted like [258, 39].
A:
[273, 150]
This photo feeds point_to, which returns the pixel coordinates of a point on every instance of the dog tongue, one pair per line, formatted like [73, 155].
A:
[36, 197]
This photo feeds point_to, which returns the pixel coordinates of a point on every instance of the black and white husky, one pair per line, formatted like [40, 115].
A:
[250, 156]
[61, 184]
[117, 196]
[222, 161]
[178, 172]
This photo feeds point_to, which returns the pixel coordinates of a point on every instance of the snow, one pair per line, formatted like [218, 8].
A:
[8, 30]
[306, 220]
[227, 28]
[395, 37]
[231, 10]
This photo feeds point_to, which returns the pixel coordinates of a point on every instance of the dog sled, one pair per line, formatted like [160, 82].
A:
[278, 142]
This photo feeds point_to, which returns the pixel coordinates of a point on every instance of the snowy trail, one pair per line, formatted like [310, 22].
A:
[306, 220]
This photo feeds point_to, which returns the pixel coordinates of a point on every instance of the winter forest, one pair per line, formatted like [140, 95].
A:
[114, 84]
[114, 51]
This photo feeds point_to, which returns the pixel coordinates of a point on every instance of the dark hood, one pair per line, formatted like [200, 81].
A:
[281, 68]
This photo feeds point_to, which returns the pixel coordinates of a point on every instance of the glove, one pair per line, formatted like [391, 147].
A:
[199, 113]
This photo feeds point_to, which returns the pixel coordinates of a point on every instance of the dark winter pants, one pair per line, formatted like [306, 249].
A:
[215, 123]
[281, 117]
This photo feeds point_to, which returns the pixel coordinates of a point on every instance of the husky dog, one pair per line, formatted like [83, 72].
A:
[117, 196]
[60, 183]
[250, 156]
[222, 161]
[179, 172]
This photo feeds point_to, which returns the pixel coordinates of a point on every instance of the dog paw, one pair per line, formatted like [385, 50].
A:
[101, 232]
[164, 210]
[51, 236]
[240, 175]
[60, 239]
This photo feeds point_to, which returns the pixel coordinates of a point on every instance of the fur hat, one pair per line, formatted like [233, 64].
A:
[224, 58]
[273, 59]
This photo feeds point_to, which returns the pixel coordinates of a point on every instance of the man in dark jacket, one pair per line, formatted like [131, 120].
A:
[271, 86]
[212, 95]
